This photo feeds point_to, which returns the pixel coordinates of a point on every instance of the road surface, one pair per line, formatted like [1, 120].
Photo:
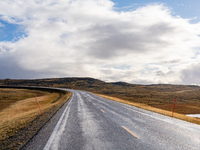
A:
[89, 122]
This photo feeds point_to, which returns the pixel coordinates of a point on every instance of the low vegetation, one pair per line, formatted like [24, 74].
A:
[158, 110]
[158, 96]
[20, 116]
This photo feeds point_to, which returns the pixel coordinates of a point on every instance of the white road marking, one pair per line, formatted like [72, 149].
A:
[102, 111]
[154, 115]
[130, 132]
[91, 128]
[53, 134]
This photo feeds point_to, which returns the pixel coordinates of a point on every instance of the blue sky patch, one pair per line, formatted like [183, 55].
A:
[182, 8]
[11, 32]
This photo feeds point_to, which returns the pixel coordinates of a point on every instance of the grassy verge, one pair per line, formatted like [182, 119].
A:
[160, 96]
[20, 117]
[150, 108]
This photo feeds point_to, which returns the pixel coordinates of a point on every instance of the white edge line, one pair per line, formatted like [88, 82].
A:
[51, 138]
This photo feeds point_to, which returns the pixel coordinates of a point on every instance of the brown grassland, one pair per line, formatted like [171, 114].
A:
[19, 109]
[159, 98]
[162, 97]
[156, 96]
[154, 109]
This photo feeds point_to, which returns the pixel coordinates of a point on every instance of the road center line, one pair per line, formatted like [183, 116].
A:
[130, 132]
[102, 111]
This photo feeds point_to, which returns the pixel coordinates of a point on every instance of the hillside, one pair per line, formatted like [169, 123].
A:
[156, 95]
[55, 82]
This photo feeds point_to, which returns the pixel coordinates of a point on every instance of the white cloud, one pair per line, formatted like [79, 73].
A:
[2, 25]
[90, 38]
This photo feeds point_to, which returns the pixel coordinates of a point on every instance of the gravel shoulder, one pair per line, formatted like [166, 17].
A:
[39, 140]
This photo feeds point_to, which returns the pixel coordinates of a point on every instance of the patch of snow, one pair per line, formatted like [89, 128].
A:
[194, 115]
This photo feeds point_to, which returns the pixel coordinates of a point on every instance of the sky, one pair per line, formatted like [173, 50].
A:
[141, 42]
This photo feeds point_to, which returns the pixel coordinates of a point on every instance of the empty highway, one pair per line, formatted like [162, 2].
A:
[89, 122]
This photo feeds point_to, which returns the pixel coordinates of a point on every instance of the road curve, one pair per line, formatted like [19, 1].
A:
[89, 122]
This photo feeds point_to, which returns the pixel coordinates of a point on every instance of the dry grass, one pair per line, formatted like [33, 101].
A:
[160, 96]
[156, 96]
[19, 112]
[10, 96]
[150, 108]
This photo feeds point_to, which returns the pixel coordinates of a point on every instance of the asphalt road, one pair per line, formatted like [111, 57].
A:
[89, 122]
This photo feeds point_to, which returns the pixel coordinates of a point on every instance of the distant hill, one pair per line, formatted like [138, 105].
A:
[53, 82]
[156, 95]
[95, 85]
[121, 83]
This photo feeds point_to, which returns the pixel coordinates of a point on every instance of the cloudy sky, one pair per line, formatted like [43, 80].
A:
[113, 40]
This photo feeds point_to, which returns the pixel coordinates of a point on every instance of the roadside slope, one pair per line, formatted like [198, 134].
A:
[22, 118]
